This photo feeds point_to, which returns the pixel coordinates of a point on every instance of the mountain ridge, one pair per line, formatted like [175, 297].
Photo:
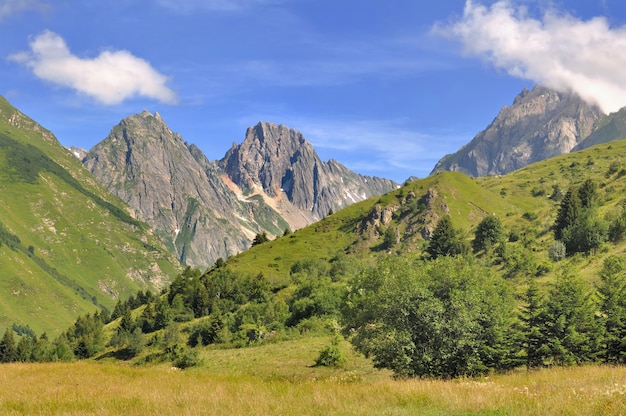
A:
[67, 246]
[205, 210]
[541, 123]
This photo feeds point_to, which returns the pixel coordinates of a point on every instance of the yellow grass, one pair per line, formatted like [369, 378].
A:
[90, 388]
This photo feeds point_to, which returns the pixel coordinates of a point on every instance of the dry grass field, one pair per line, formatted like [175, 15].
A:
[278, 379]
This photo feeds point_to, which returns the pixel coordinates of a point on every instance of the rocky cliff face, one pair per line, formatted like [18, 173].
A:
[181, 196]
[609, 128]
[541, 123]
[204, 209]
[279, 161]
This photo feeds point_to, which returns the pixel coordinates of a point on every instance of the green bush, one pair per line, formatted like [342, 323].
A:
[331, 356]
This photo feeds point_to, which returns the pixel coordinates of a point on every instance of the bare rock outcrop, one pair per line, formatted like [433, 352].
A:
[540, 124]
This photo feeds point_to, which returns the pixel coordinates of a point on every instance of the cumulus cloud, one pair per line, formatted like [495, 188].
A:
[557, 50]
[110, 78]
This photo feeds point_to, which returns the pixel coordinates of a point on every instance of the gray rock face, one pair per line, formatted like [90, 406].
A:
[279, 161]
[203, 209]
[609, 128]
[151, 168]
[541, 123]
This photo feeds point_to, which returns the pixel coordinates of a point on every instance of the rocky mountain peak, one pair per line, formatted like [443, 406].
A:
[265, 157]
[205, 209]
[540, 123]
[280, 162]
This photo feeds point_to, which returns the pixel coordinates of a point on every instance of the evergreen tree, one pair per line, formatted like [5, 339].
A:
[445, 240]
[147, 319]
[24, 349]
[127, 323]
[8, 349]
[487, 234]
[612, 293]
[260, 238]
[42, 349]
[531, 318]
[163, 314]
[588, 194]
[570, 333]
[569, 210]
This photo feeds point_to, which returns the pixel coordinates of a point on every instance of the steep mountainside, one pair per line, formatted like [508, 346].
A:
[205, 210]
[279, 161]
[66, 243]
[400, 222]
[609, 128]
[540, 124]
[177, 191]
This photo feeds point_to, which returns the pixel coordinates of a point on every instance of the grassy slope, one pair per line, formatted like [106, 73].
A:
[87, 250]
[519, 199]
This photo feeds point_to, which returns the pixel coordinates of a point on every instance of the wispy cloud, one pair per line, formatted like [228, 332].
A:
[186, 6]
[11, 7]
[557, 50]
[110, 78]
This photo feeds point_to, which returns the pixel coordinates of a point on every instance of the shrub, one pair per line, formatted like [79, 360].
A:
[557, 251]
[331, 355]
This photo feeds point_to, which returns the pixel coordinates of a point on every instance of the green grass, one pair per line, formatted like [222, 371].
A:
[279, 379]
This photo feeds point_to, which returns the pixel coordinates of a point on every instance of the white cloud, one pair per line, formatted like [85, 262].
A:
[556, 50]
[111, 77]
[11, 7]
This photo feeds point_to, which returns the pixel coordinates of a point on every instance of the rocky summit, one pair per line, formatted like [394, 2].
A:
[540, 124]
[205, 210]
[279, 161]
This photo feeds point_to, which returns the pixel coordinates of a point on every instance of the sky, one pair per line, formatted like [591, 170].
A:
[387, 88]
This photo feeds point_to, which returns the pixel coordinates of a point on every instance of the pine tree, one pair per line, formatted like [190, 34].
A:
[568, 212]
[488, 233]
[445, 240]
[531, 318]
[8, 349]
[612, 293]
[570, 333]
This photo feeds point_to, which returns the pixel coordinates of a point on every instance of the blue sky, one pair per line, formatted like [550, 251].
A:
[385, 87]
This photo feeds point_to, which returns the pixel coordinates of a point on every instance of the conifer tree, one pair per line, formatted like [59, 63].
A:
[531, 318]
[612, 293]
[24, 349]
[568, 212]
[488, 233]
[570, 333]
[8, 349]
[445, 240]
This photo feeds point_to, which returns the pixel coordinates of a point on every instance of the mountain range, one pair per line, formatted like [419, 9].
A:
[204, 210]
[75, 239]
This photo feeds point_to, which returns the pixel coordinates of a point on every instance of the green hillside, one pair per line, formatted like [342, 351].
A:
[67, 247]
[521, 200]
[367, 274]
